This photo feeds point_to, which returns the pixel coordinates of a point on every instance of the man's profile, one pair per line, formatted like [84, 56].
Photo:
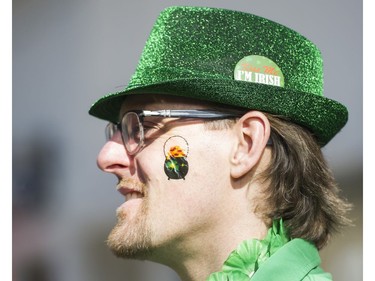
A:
[216, 144]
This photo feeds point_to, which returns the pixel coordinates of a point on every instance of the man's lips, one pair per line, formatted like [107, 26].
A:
[130, 193]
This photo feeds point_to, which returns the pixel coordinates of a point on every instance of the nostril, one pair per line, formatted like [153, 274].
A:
[114, 167]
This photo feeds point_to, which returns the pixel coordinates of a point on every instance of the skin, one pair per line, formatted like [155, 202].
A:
[190, 225]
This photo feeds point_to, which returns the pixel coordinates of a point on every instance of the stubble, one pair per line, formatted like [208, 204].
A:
[131, 236]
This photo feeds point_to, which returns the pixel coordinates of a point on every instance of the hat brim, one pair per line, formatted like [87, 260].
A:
[323, 116]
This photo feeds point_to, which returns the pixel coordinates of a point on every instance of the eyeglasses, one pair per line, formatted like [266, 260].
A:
[132, 128]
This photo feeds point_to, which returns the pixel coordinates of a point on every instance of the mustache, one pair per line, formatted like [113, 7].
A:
[132, 184]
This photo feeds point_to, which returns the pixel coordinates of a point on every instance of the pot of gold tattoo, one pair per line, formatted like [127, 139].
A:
[175, 165]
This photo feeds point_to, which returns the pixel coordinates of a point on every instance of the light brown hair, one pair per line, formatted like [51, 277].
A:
[300, 187]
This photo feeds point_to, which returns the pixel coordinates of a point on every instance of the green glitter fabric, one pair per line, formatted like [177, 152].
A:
[193, 51]
[245, 260]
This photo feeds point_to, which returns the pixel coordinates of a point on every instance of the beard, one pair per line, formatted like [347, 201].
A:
[131, 236]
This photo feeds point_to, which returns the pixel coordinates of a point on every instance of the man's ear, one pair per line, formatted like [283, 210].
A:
[252, 132]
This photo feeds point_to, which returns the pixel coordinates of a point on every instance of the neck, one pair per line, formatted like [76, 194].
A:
[205, 253]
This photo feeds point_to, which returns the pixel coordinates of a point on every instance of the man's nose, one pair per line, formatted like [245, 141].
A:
[113, 157]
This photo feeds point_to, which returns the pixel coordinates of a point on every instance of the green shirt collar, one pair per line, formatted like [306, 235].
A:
[245, 260]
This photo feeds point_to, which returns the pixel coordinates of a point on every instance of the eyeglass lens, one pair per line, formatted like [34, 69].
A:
[132, 131]
[110, 130]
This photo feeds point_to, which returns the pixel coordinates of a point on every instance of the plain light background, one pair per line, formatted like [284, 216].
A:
[66, 54]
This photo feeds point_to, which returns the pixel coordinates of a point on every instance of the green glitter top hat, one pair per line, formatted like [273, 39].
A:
[232, 58]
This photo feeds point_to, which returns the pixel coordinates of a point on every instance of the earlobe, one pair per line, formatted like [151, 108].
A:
[252, 132]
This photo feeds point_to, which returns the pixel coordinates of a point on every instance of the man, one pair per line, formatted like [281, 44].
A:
[216, 144]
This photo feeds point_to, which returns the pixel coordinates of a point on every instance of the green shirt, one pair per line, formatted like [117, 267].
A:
[296, 260]
[276, 257]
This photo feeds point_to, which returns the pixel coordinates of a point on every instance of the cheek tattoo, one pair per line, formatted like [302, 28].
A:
[176, 166]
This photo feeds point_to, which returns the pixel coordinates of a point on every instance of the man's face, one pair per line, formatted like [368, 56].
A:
[161, 213]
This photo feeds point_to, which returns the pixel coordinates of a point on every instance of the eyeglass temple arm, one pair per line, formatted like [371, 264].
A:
[194, 113]
[190, 113]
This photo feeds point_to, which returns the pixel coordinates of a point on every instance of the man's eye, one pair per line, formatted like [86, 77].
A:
[149, 129]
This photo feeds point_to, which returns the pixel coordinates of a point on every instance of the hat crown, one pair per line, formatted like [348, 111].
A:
[209, 54]
[201, 43]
